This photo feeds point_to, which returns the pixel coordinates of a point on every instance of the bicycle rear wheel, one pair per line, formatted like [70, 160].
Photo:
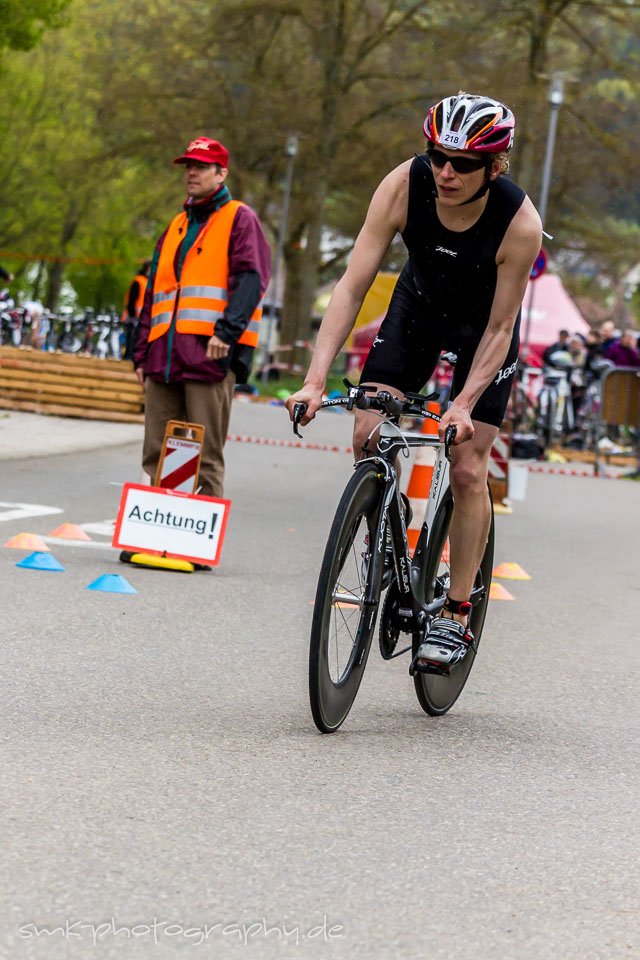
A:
[342, 625]
[438, 694]
[546, 418]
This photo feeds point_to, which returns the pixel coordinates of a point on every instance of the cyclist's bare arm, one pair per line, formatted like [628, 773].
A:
[386, 216]
[515, 258]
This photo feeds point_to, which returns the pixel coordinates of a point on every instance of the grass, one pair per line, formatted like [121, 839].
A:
[292, 383]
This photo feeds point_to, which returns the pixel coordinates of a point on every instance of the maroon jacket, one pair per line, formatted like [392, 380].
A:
[182, 356]
[622, 356]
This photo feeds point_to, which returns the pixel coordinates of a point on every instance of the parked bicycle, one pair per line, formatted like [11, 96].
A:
[108, 343]
[555, 418]
[588, 415]
[70, 333]
[367, 552]
[521, 410]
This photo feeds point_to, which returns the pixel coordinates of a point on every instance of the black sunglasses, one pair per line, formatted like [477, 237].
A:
[459, 164]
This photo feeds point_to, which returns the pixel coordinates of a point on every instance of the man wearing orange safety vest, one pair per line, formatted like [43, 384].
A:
[133, 301]
[201, 315]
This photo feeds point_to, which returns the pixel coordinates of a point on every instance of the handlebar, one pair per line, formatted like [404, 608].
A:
[365, 397]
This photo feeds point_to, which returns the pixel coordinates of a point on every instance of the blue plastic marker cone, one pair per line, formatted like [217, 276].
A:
[112, 583]
[40, 561]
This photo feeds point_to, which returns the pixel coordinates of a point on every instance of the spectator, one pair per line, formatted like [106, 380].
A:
[133, 302]
[608, 334]
[561, 344]
[578, 351]
[624, 352]
[201, 314]
[593, 343]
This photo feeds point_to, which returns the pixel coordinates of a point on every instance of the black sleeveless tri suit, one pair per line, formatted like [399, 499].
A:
[444, 294]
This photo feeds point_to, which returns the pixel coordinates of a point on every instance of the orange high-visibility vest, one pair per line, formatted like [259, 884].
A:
[142, 288]
[199, 300]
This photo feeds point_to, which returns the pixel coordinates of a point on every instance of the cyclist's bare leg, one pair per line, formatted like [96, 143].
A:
[365, 421]
[472, 512]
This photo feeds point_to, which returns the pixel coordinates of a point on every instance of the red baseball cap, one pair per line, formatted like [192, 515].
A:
[205, 150]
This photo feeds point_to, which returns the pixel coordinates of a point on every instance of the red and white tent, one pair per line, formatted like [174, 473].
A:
[547, 309]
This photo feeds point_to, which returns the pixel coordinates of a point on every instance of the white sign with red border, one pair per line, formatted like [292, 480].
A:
[181, 525]
[180, 464]
[499, 457]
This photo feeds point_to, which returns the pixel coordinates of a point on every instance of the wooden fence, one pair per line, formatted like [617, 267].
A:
[69, 385]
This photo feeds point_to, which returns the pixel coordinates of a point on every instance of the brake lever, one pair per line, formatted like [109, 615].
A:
[449, 437]
[299, 410]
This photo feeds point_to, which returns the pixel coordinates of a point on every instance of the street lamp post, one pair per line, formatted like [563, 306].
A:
[291, 150]
[556, 99]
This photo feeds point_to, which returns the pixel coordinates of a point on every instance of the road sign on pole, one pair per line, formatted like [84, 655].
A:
[539, 265]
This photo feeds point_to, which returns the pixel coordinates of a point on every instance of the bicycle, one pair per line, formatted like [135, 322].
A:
[370, 516]
[555, 418]
[521, 410]
[588, 414]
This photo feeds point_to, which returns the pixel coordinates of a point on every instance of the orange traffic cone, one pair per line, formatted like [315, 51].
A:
[498, 592]
[511, 571]
[420, 479]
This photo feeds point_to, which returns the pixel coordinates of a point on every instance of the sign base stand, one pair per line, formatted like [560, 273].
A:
[156, 563]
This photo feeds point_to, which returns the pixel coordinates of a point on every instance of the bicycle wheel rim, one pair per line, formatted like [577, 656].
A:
[342, 626]
[437, 694]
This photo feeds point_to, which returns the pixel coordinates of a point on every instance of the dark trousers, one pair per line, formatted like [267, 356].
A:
[130, 337]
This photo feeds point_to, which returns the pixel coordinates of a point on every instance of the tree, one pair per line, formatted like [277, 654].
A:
[96, 112]
[22, 24]
[77, 193]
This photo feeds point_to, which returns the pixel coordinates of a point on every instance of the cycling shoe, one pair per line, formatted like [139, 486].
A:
[445, 645]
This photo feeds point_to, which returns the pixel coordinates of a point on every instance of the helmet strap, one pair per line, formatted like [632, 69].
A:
[480, 192]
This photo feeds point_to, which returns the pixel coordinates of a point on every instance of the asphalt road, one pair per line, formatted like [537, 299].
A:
[163, 788]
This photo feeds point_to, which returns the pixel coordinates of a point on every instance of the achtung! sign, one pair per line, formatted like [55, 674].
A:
[181, 525]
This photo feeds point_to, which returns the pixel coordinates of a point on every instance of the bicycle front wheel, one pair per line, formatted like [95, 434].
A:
[342, 625]
[438, 694]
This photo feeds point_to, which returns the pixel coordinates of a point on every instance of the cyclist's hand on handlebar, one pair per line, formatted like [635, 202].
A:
[457, 415]
[311, 397]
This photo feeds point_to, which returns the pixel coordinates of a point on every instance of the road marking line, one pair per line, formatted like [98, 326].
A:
[19, 511]
[91, 544]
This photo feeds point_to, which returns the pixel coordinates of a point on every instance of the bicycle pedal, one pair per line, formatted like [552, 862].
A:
[427, 668]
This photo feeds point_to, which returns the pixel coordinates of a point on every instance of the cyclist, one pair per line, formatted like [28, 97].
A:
[472, 237]
[133, 303]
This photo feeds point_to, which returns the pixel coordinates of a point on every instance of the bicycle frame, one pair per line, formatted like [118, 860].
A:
[408, 570]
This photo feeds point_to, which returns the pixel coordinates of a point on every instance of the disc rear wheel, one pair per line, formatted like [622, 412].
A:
[438, 694]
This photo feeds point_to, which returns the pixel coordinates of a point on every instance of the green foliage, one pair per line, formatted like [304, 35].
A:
[22, 23]
[94, 114]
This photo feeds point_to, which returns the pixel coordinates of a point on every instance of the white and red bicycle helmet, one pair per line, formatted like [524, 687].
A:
[469, 122]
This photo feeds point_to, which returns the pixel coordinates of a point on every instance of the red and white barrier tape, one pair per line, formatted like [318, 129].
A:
[572, 472]
[561, 471]
[549, 469]
[298, 444]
